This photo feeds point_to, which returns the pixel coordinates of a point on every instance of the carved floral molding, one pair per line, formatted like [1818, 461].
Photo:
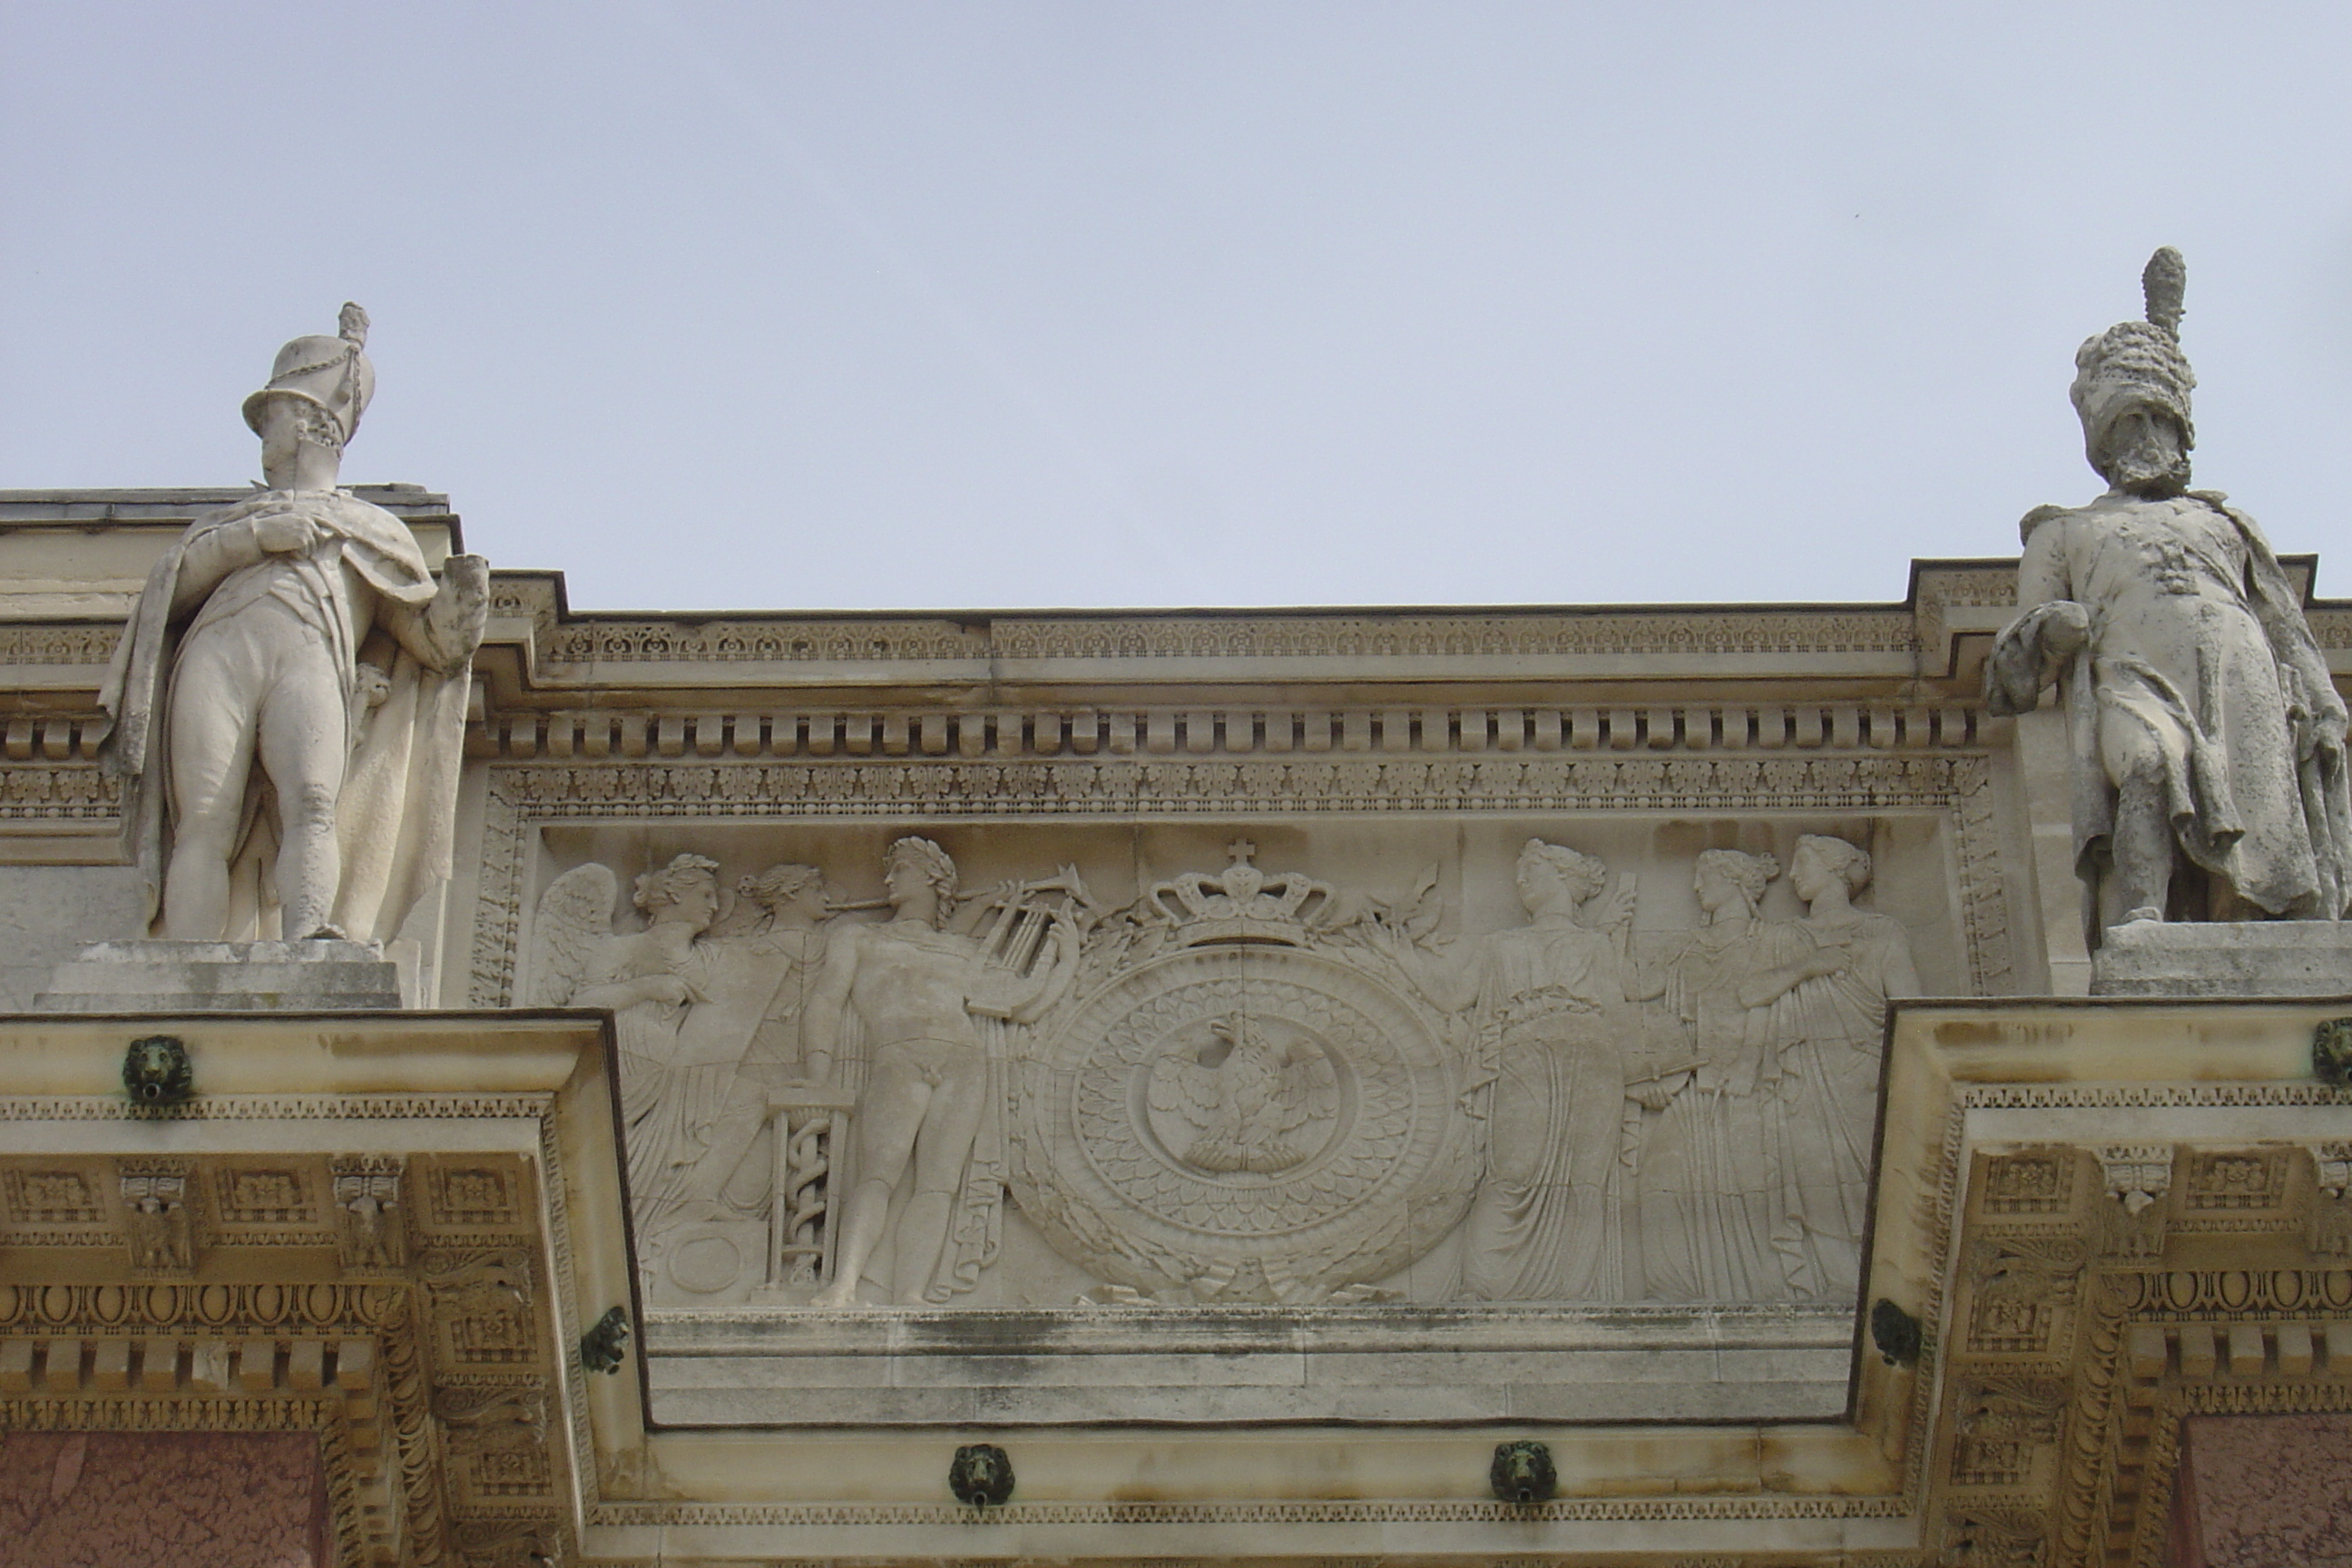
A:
[426, 1355]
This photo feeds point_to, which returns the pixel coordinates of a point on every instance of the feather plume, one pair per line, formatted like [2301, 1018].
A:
[2165, 283]
[352, 324]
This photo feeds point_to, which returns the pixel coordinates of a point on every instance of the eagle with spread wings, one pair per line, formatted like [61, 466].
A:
[1252, 1105]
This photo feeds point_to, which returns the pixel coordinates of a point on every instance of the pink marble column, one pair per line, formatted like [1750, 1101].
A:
[2264, 1491]
[162, 1499]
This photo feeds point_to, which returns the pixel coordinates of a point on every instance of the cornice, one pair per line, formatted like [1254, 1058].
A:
[336, 1235]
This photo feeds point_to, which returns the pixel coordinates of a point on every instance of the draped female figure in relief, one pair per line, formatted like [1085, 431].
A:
[1551, 1021]
[1828, 1029]
[760, 974]
[650, 979]
[1710, 1166]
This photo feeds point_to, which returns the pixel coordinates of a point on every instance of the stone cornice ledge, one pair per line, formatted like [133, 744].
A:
[429, 1340]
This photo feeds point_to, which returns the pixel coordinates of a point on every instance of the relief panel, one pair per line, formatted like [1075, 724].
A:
[1527, 1060]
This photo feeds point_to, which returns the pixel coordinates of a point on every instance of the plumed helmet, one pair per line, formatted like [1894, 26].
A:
[2135, 365]
[329, 373]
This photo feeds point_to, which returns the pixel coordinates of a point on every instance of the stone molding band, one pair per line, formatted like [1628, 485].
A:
[1120, 730]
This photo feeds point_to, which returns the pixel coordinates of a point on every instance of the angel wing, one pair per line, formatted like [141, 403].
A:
[1310, 1090]
[575, 916]
[1186, 1088]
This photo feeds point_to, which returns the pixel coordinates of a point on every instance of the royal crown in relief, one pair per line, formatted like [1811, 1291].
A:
[1243, 904]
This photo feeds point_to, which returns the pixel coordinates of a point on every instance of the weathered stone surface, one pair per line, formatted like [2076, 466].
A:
[48, 914]
[1249, 1365]
[2232, 958]
[223, 977]
[2260, 1490]
[1243, 1064]
[219, 1323]
[196, 1499]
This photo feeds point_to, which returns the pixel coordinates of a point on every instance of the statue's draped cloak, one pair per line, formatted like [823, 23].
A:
[2197, 638]
[394, 814]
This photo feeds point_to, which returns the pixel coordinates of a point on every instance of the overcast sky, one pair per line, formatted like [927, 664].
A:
[779, 305]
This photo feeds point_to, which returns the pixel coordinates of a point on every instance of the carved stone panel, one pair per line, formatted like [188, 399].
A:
[1569, 1058]
[370, 1227]
[1244, 1123]
[155, 1219]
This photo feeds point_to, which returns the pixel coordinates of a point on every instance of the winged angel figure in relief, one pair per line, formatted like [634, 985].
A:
[1250, 1105]
[649, 979]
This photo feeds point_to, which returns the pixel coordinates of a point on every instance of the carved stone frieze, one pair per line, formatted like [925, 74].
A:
[2226, 1181]
[521, 797]
[1321, 635]
[1184, 1070]
[919, 788]
[1994, 1537]
[38, 644]
[2037, 1181]
[1940, 588]
[483, 1305]
[471, 1195]
[599, 734]
[2329, 1229]
[511, 1542]
[279, 1203]
[2004, 1428]
[58, 792]
[1247, 1085]
[56, 1204]
[472, 1404]
[2086, 1330]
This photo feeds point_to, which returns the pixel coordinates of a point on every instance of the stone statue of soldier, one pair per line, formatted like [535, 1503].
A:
[2208, 738]
[288, 700]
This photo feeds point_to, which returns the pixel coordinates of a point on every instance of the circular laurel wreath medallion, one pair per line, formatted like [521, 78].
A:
[1247, 1123]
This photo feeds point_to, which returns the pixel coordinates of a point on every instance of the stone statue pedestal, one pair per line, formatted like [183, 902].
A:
[2225, 958]
[224, 977]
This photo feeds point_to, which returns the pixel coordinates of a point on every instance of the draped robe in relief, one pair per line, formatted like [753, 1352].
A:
[1710, 1181]
[663, 1113]
[736, 1045]
[1830, 1032]
[1552, 1021]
